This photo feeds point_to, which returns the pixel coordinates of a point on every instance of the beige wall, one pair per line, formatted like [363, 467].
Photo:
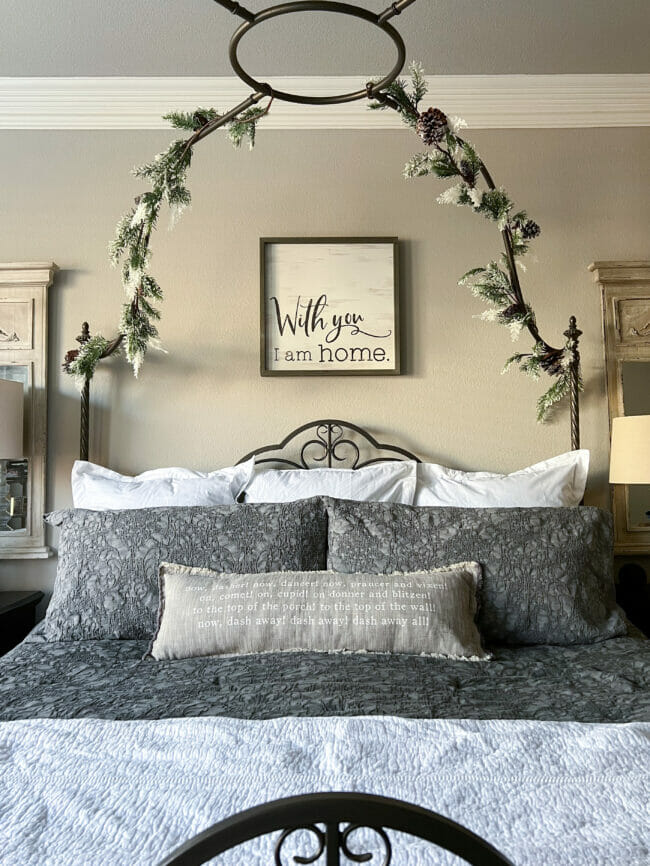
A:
[204, 404]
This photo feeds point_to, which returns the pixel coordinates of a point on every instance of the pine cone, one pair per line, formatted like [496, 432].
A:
[432, 126]
[199, 120]
[528, 228]
[514, 311]
[551, 362]
[467, 172]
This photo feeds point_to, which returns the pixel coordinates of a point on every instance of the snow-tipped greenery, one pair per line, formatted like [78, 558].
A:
[166, 175]
[450, 157]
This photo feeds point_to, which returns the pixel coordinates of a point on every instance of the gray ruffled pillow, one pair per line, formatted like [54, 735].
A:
[107, 577]
[547, 572]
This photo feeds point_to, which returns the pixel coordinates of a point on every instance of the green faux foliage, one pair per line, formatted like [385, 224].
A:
[422, 164]
[419, 82]
[558, 390]
[495, 205]
[513, 359]
[443, 167]
[531, 365]
[130, 248]
[452, 157]
[245, 126]
[520, 244]
[87, 357]
[471, 158]
[406, 104]
[240, 128]
[448, 156]
[191, 121]
[490, 283]
[440, 164]
[407, 107]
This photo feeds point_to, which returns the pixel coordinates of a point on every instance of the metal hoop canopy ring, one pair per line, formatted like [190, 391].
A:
[315, 6]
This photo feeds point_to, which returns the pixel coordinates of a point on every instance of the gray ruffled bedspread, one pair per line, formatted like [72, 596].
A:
[109, 679]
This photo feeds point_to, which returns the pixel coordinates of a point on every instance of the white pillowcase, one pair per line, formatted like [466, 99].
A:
[99, 489]
[559, 481]
[389, 481]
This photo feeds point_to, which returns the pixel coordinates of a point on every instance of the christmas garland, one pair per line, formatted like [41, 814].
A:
[448, 157]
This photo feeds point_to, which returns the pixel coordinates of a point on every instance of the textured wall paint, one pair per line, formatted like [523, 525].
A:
[204, 404]
[168, 37]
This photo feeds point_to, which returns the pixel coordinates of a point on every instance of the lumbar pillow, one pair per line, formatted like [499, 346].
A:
[428, 613]
[107, 574]
[547, 572]
[388, 481]
[559, 481]
[99, 489]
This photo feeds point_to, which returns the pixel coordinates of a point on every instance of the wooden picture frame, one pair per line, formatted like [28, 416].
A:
[329, 306]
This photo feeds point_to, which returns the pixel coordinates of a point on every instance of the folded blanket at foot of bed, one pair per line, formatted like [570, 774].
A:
[128, 792]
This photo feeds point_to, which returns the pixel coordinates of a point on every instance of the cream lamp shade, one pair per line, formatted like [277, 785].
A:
[11, 420]
[630, 455]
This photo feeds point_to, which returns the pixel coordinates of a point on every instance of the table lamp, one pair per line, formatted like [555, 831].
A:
[629, 461]
[11, 442]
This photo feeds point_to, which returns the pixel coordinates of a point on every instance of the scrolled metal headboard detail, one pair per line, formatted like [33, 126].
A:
[329, 443]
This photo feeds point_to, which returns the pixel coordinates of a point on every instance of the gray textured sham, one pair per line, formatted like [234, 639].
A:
[547, 572]
[107, 576]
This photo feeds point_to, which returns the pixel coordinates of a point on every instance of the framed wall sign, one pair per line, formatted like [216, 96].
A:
[329, 306]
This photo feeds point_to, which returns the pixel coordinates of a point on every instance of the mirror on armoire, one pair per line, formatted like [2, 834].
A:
[23, 402]
[625, 294]
[14, 466]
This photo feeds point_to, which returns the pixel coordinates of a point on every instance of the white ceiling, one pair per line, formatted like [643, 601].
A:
[451, 37]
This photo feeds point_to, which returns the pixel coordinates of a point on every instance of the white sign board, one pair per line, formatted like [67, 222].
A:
[329, 306]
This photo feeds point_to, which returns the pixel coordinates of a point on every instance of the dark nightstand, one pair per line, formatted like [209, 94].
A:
[633, 595]
[17, 617]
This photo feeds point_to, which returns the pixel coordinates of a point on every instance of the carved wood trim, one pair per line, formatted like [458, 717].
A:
[624, 284]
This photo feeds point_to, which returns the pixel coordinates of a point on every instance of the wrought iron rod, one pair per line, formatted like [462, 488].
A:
[220, 121]
[512, 267]
[84, 421]
[236, 9]
[84, 413]
[333, 6]
[393, 9]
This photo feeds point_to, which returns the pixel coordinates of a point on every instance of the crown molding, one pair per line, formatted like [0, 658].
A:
[484, 101]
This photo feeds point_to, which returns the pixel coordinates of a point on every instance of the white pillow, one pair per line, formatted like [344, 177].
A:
[389, 481]
[555, 482]
[99, 489]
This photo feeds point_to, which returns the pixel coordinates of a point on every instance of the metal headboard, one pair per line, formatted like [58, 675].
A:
[329, 442]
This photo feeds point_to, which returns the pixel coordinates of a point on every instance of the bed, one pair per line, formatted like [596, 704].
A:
[111, 757]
